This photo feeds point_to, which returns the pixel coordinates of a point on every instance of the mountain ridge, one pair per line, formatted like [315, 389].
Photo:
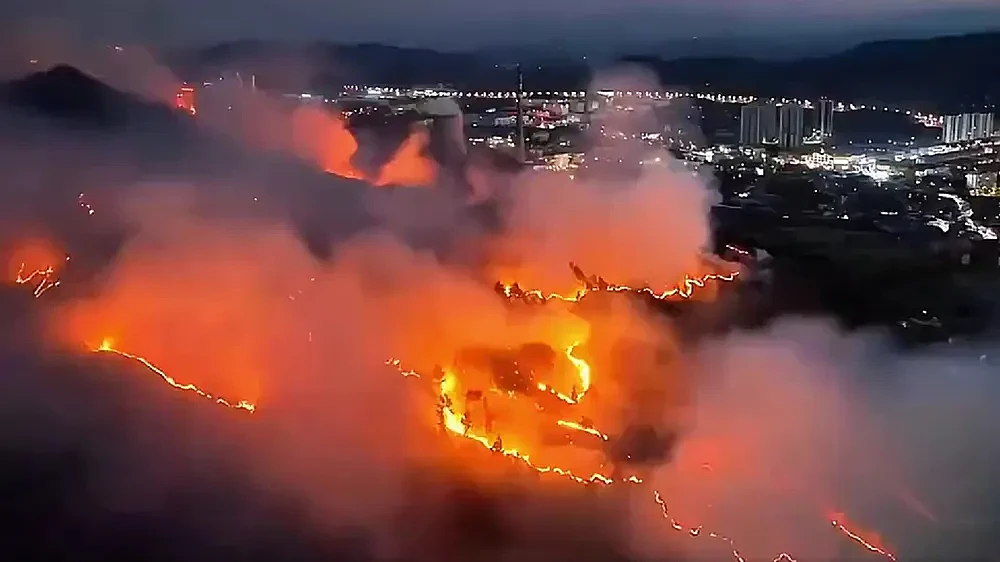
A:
[950, 71]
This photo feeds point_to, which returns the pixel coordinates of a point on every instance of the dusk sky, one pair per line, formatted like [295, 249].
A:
[463, 24]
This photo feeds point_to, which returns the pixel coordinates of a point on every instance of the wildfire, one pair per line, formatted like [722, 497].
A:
[42, 279]
[107, 346]
[456, 420]
[594, 284]
[459, 423]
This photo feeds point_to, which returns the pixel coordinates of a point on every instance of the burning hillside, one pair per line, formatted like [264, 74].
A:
[473, 371]
[552, 400]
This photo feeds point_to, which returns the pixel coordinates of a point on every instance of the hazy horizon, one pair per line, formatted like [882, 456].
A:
[763, 27]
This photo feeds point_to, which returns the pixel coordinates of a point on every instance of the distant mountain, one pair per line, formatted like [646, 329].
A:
[329, 65]
[948, 72]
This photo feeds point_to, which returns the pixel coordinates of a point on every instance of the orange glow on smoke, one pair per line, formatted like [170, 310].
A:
[195, 315]
[324, 137]
[185, 100]
[208, 318]
[409, 166]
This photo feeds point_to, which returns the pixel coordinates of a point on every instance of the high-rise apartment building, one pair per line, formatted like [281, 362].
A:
[749, 125]
[758, 124]
[824, 118]
[967, 127]
[791, 125]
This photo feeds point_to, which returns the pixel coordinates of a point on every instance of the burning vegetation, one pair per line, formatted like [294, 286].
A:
[324, 138]
[542, 406]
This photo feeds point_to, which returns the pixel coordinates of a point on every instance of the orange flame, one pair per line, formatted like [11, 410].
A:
[408, 165]
[457, 423]
[325, 138]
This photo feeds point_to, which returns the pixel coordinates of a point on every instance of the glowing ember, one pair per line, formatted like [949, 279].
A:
[41, 279]
[107, 346]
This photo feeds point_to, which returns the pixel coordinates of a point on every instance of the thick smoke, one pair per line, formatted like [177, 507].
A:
[649, 229]
[213, 281]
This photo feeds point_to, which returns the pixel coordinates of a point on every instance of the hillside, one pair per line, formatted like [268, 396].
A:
[66, 94]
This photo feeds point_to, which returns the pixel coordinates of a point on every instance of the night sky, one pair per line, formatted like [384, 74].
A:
[464, 24]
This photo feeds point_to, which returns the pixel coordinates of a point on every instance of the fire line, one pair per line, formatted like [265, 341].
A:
[594, 284]
[108, 347]
[43, 279]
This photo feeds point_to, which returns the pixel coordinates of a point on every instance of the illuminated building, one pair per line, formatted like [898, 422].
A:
[968, 127]
[758, 124]
[983, 184]
[824, 118]
[791, 125]
[185, 100]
